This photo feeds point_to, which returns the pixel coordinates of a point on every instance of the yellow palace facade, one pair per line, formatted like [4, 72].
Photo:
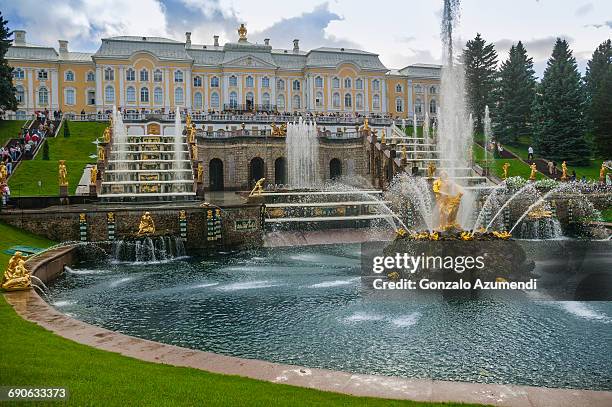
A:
[153, 75]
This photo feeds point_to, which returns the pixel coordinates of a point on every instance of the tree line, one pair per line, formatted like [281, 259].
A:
[569, 117]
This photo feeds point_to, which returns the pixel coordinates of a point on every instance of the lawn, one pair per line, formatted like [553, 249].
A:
[33, 356]
[10, 129]
[75, 149]
[606, 215]
[517, 167]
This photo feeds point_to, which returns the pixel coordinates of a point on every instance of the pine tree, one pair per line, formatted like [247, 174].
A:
[559, 125]
[598, 81]
[45, 152]
[480, 61]
[8, 100]
[516, 93]
[66, 129]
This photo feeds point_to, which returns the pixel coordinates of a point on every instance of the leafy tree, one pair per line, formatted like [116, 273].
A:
[598, 81]
[559, 124]
[8, 101]
[66, 129]
[516, 93]
[45, 152]
[480, 61]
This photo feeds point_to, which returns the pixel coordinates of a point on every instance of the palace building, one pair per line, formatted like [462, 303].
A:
[153, 75]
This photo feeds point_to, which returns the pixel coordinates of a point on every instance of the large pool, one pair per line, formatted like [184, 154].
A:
[306, 306]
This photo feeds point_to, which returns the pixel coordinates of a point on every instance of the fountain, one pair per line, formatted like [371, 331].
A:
[302, 148]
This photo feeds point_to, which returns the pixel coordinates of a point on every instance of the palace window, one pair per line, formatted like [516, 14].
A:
[319, 99]
[297, 101]
[18, 73]
[233, 100]
[398, 88]
[375, 84]
[418, 89]
[432, 90]
[70, 97]
[296, 85]
[178, 76]
[197, 81]
[179, 96]
[280, 85]
[280, 102]
[144, 95]
[359, 83]
[266, 100]
[250, 99]
[376, 102]
[130, 75]
[109, 74]
[91, 97]
[348, 100]
[336, 100]
[69, 76]
[158, 96]
[43, 96]
[42, 75]
[109, 94]
[130, 94]
[359, 101]
[265, 82]
[347, 83]
[20, 94]
[197, 100]
[91, 77]
[157, 75]
[336, 83]
[249, 81]
[399, 105]
[214, 82]
[433, 108]
[418, 106]
[318, 82]
[233, 80]
[214, 100]
[144, 75]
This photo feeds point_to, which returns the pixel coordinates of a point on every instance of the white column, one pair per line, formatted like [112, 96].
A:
[366, 100]
[329, 92]
[30, 95]
[257, 79]
[240, 79]
[205, 84]
[122, 86]
[54, 90]
[384, 95]
[273, 90]
[312, 92]
[288, 87]
[188, 89]
[99, 91]
[225, 84]
[410, 101]
[167, 91]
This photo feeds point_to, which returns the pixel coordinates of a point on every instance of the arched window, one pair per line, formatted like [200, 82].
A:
[42, 75]
[214, 100]
[433, 108]
[296, 85]
[265, 82]
[348, 100]
[18, 73]
[197, 81]
[375, 84]
[319, 99]
[233, 80]
[280, 84]
[249, 81]
[130, 94]
[197, 100]
[359, 83]
[348, 83]
[233, 100]
[20, 94]
[69, 76]
[297, 101]
[158, 96]
[266, 100]
[336, 100]
[144, 95]
[91, 77]
[335, 83]
[376, 102]
[250, 101]
[418, 106]
[179, 96]
[109, 94]
[130, 75]
[318, 82]
[178, 76]
[43, 96]
[432, 90]
[144, 75]
[399, 105]
[70, 97]
[158, 76]
[280, 102]
[398, 88]
[214, 82]
[109, 74]
[359, 101]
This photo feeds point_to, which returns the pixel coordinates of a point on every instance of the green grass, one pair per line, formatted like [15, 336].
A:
[75, 149]
[10, 129]
[517, 167]
[606, 215]
[33, 356]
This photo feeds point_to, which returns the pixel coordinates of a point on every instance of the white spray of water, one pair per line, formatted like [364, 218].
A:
[302, 147]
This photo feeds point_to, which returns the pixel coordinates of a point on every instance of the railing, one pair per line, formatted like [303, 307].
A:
[226, 134]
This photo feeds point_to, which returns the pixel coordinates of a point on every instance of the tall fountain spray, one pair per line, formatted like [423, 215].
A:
[414, 125]
[426, 126]
[302, 147]
[488, 132]
[178, 145]
[120, 144]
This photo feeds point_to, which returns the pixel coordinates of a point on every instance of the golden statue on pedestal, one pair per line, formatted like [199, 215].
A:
[200, 172]
[101, 154]
[93, 175]
[242, 32]
[534, 170]
[382, 137]
[107, 135]
[194, 152]
[258, 188]
[3, 173]
[404, 154]
[448, 204]
[505, 167]
[563, 171]
[602, 173]
[62, 174]
[147, 226]
[431, 170]
[366, 124]
[16, 277]
[191, 133]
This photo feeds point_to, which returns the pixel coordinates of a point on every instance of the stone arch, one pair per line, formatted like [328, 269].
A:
[335, 168]
[257, 170]
[280, 171]
[215, 175]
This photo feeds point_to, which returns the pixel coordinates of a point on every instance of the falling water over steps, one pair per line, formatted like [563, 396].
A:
[148, 249]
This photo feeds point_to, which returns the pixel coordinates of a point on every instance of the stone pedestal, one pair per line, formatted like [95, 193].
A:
[200, 190]
[256, 199]
[101, 166]
[63, 191]
[92, 190]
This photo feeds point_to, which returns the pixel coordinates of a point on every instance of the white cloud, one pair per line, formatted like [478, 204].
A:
[584, 9]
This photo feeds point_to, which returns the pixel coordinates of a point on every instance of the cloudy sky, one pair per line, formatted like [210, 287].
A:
[401, 31]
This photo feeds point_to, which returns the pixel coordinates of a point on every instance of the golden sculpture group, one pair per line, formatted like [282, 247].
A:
[448, 203]
[279, 131]
[147, 225]
[16, 277]
[258, 188]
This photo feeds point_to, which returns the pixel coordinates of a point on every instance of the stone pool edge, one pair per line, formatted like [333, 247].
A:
[48, 265]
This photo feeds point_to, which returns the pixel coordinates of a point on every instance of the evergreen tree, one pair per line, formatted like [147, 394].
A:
[66, 129]
[559, 125]
[480, 61]
[598, 82]
[45, 152]
[8, 101]
[516, 93]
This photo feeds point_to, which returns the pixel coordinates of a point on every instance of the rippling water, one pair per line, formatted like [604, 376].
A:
[305, 306]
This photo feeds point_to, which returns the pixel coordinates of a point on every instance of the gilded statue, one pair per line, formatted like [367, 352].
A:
[188, 121]
[107, 135]
[16, 277]
[279, 131]
[182, 215]
[366, 125]
[82, 218]
[563, 171]
[100, 153]
[539, 212]
[200, 172]
[404, 154]
[93, 175]
[194, 152]
[3, 173]
[505, 167]
[258, 188]
[192, 134]
[62, 173]
[448, 204]
[147, 226]
[431, 170]
[242, 32]
[602, 172]
[382, 137]
[534, 170]
[110, 217]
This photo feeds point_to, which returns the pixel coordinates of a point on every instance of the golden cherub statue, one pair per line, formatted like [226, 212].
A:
[258, 188]
[602, 172]
[505, 167]
[107, 135]
[147, 226]
[62, 173]
[3, 173]
[431, 170]
[194, 152]
[16, 277]
[200, 172]
[100, 153]
[93, 175]
[534, 170]
[563, 171]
